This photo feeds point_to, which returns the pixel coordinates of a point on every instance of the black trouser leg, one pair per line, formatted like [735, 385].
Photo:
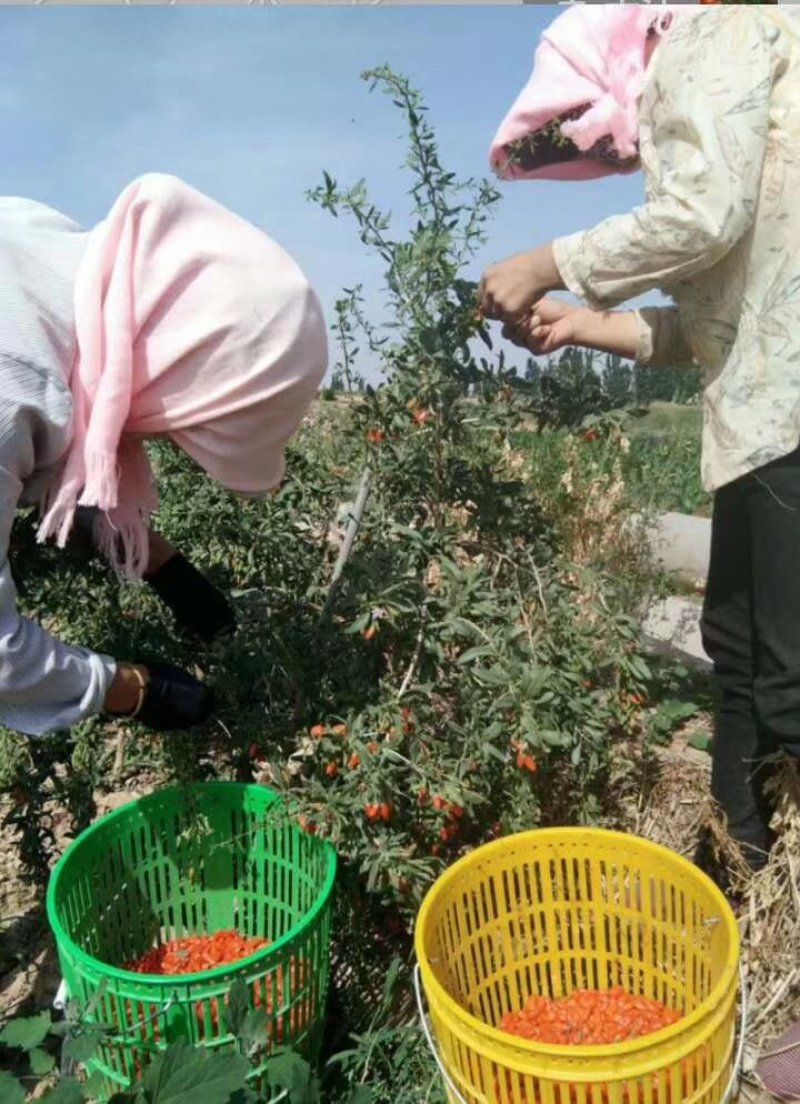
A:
[775, 511]
[751, 631]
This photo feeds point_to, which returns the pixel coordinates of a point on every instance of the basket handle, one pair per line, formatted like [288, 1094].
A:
[730, 1088]
[736, 1073]
[426, 1031]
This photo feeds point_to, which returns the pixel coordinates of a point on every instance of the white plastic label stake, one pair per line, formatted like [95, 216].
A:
[61, 999]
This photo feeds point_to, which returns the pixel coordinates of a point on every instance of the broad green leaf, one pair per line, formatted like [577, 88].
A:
[41, 1062]
[67, 1091]
[287, 1070]
[700, 741]
[361, 1094]
[11, 1092]
[183, 1075]
[26, 1033]
[94, 1086]
[82, 1047]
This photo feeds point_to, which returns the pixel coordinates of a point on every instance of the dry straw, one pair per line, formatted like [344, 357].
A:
[677, 811]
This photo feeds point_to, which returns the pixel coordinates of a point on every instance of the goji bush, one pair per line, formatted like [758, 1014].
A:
[479, 670]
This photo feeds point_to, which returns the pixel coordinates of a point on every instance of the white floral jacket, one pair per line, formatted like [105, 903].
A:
[719, 232]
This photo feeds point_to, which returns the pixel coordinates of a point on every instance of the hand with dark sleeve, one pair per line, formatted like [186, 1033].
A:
[198, 606]
[160, 696]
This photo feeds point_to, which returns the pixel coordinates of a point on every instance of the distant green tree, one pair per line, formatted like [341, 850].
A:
[533, 372]
[570, 390]
[617, 376]
[678, 385]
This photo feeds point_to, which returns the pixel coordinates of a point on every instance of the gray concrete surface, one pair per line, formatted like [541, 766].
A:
[672, 628]
[682, 543]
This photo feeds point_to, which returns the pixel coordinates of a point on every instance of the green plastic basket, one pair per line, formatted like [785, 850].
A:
[188, 861]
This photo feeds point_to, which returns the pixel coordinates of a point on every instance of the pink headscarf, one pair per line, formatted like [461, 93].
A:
[593, 58]
[191, 324]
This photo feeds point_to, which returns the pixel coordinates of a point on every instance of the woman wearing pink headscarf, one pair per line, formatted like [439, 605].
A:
[705, 102]
[172, 319]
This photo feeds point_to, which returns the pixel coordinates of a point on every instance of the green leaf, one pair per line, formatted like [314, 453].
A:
[41, 1062]
[639, 668]
[11, 1092]
[67, 1091]
[288, 1071]
[183, 1075]
[676, 710]
[82, 1047]
[237, 1007]
[556, 739]
[94, 1087]
[27, 1033]
[362, 1094]
[475, 653]
[391, 980]
[245, 1096]
[700, 741]
[492, 676]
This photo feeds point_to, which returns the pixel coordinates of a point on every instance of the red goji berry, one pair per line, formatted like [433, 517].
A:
[527, 762]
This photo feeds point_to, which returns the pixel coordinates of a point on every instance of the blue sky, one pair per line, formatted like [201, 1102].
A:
[251, 104]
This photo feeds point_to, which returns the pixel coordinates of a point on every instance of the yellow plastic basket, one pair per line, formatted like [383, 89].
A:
[551, 911]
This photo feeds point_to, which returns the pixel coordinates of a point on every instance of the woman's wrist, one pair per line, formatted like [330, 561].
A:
[545, 267]
[614, 332]
[126, 692]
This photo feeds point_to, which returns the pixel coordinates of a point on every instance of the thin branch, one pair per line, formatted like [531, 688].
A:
[353, 526]
[412, 667]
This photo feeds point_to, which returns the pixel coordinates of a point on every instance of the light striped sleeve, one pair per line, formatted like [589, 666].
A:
[45, 685]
